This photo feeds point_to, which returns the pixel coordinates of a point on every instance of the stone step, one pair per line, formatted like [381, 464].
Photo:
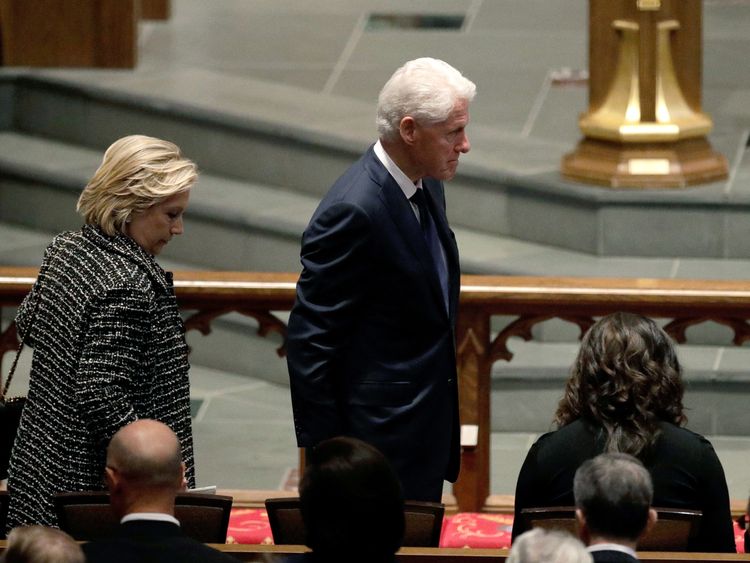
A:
[239, 224]
[231, 224]
[280, 135]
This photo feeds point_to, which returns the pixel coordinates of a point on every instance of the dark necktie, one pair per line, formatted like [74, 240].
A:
[433, 240]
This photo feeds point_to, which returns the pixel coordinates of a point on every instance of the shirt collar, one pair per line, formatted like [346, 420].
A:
[407, 186]
[612, 547]
[153, 516]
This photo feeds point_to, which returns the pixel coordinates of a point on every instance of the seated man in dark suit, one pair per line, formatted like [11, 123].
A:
[144, 473]
[613, 494]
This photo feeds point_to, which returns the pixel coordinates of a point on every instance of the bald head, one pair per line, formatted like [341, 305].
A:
[146, 453]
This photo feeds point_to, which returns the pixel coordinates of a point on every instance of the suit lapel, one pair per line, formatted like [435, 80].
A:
[406, 222]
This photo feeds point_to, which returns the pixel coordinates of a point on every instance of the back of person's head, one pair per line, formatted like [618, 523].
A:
[144, 464]
[136, 172]
[426, 89]
[614, 493]
[548, 546]
[625, 379]
[38, 544]
[351, 502]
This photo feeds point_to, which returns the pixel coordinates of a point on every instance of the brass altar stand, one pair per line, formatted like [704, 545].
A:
[644, 127]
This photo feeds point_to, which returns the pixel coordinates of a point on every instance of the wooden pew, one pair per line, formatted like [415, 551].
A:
[271, 553]
[276, 553]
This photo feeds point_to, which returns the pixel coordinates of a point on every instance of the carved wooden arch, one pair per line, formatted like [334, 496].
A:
[677, 328]
[522, 327]
[267, 323]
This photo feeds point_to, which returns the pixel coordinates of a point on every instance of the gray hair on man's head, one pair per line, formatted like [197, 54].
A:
[426, 89]
[548, 546]
[39, 544]
[614, 491]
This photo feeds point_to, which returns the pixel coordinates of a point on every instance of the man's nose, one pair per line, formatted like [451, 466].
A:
[465, 145]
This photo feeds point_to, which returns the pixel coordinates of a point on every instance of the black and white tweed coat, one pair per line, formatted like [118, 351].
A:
[109, 348]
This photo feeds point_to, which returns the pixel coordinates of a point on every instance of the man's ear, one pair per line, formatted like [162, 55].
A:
[407, 129]
[183, 480]
[111, 478]
[651, 522]
[581, 527]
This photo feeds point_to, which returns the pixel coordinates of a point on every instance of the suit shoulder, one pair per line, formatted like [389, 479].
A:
[359, 183]
[182, 549]
[354, 194]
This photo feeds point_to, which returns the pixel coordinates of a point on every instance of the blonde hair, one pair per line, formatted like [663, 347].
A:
[136, 172]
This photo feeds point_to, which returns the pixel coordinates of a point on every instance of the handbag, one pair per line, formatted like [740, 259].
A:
[11, 409]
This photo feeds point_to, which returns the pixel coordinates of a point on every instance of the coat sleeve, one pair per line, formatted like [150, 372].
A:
[110, 359]
[336, 267]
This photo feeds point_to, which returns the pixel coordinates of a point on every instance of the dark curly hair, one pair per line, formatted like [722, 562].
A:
[626, 379]
[351, 502]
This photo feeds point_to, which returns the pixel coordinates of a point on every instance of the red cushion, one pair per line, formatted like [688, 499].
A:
[249, 525]
[474, 529]
[739, 538]
[466, 529]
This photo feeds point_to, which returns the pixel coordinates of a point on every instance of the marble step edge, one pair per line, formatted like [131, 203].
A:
[289, 211]
[480, 252]
[480, 164]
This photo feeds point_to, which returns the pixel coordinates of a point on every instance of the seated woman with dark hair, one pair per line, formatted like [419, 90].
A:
[351, 503]
[625, 395]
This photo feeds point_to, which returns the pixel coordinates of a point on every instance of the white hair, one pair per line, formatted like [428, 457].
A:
[548, 546]
[425, 89]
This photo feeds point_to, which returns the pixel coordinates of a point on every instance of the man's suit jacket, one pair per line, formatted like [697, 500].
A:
[371, 346]
[612, 556]
[149, 541]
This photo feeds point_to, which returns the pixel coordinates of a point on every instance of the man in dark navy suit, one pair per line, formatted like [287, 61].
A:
[144, 473]
[613, 494]
[371, 340]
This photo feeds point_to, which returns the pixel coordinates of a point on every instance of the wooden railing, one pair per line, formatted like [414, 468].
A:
[529, 301]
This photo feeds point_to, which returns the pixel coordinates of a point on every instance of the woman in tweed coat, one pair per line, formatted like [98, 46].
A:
[109, 344]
